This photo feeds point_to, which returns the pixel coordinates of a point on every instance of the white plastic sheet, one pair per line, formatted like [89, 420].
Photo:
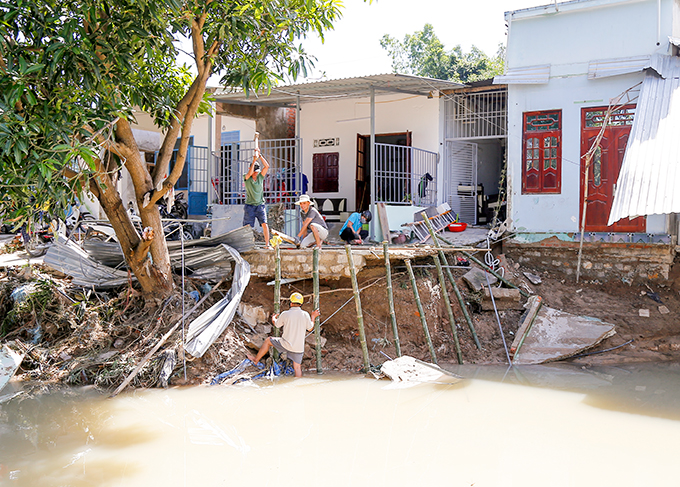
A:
[205, 329]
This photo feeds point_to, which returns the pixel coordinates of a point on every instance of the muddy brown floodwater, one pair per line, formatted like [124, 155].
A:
[559, 425]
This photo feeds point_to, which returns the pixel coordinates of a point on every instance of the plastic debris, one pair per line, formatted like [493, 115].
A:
[284, 367]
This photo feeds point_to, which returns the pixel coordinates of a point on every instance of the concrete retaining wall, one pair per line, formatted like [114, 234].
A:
[333, 264]
[298, 263]
[600, 260]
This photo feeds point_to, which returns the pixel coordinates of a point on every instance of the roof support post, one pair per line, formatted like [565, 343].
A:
[298, 155]
[373, 164]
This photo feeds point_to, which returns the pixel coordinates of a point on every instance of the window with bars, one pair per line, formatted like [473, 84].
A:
[542, 152]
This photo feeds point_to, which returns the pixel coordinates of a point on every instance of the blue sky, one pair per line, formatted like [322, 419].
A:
[353, 47]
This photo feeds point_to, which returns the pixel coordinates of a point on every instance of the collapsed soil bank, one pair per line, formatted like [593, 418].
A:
[98, 338]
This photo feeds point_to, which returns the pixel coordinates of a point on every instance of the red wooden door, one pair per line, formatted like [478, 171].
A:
[604, 168]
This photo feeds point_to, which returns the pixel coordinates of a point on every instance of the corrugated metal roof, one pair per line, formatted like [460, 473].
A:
[650, 173]
[614, 67]
[527, 75]
[336, 89]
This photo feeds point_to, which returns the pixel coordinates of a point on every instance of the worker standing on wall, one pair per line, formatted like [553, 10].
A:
[254, 206]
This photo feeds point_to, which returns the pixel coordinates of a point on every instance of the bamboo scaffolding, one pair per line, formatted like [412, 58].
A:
[421, 312]
[452, 321]
[357, 302]
[317, 326]
[390, 299]
[459, 296]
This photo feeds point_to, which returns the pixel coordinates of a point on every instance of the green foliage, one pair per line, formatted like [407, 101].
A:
[69, 69]
[423, 54]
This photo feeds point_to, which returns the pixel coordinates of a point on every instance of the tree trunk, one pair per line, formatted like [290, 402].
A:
[146, 254]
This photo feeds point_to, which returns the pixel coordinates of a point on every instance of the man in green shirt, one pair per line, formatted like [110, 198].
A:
[254, 206]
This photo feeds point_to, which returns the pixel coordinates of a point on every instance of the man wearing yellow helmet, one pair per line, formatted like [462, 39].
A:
[295, 323]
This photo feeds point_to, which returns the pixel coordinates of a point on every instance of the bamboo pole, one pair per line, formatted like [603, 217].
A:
[495, 274]
[277, 295]
[357, 302]
[456, 290]
[317, 326]
[452, 321]
[421, 312]
[277, 280]
[390, 299]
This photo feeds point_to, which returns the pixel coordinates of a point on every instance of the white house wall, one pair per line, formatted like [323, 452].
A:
[244, 126]
[568, 41]
[344, 119]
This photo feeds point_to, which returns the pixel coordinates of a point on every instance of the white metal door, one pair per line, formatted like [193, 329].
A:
[460, 179]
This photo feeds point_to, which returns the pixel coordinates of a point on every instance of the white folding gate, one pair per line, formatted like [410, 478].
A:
[460, 179]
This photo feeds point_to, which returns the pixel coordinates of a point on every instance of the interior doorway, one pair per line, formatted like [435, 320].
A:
[363, 172]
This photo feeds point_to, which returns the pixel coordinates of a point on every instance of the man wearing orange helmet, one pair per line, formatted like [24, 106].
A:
[295, 322]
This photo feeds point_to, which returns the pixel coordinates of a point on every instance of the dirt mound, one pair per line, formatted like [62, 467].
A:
[76, 337]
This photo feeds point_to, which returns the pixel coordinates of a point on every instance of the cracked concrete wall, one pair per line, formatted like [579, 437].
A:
[299, 263]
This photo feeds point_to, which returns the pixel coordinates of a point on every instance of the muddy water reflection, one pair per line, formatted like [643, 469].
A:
[571, 426]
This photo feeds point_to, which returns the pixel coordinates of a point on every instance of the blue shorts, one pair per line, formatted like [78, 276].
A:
[250, 212]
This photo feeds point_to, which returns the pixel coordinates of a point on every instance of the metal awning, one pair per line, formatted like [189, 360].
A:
[650, 171]
[527, 75]
[613, 67]
[336, 89]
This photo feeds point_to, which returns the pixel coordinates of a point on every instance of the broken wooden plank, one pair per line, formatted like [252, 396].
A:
[534, 303]
[286, 238]
[384, 223]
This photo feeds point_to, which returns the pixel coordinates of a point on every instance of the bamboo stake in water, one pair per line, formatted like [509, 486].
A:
[390, 299]
[317, 326]
[277, 294]
[452, 321]
[357, 302]
[421, 312]
[459, 296]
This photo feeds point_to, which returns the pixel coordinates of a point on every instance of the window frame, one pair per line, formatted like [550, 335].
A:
[542, 179]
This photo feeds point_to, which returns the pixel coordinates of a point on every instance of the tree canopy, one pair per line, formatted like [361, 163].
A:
[73, 74]
[423, 54]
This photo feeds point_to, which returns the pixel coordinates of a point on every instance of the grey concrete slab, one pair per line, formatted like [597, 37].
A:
[556, 335]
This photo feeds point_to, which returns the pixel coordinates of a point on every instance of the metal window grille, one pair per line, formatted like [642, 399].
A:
[405, 174]
[477, 115]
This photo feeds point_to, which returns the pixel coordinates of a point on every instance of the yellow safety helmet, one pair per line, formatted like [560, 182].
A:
[297, 298]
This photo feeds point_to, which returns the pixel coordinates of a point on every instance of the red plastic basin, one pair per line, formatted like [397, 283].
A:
[457, 227]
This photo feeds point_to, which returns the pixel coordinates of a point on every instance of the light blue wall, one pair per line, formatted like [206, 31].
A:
[568, 40]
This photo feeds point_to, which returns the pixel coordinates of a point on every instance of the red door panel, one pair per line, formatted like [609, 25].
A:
[604, 170]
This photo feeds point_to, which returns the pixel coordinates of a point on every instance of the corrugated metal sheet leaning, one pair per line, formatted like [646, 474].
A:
[647, 183]
[69, 258]
[205, 329]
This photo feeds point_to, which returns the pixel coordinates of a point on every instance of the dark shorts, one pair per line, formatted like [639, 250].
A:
[348, 235]
[250, 212]
[295, 357]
